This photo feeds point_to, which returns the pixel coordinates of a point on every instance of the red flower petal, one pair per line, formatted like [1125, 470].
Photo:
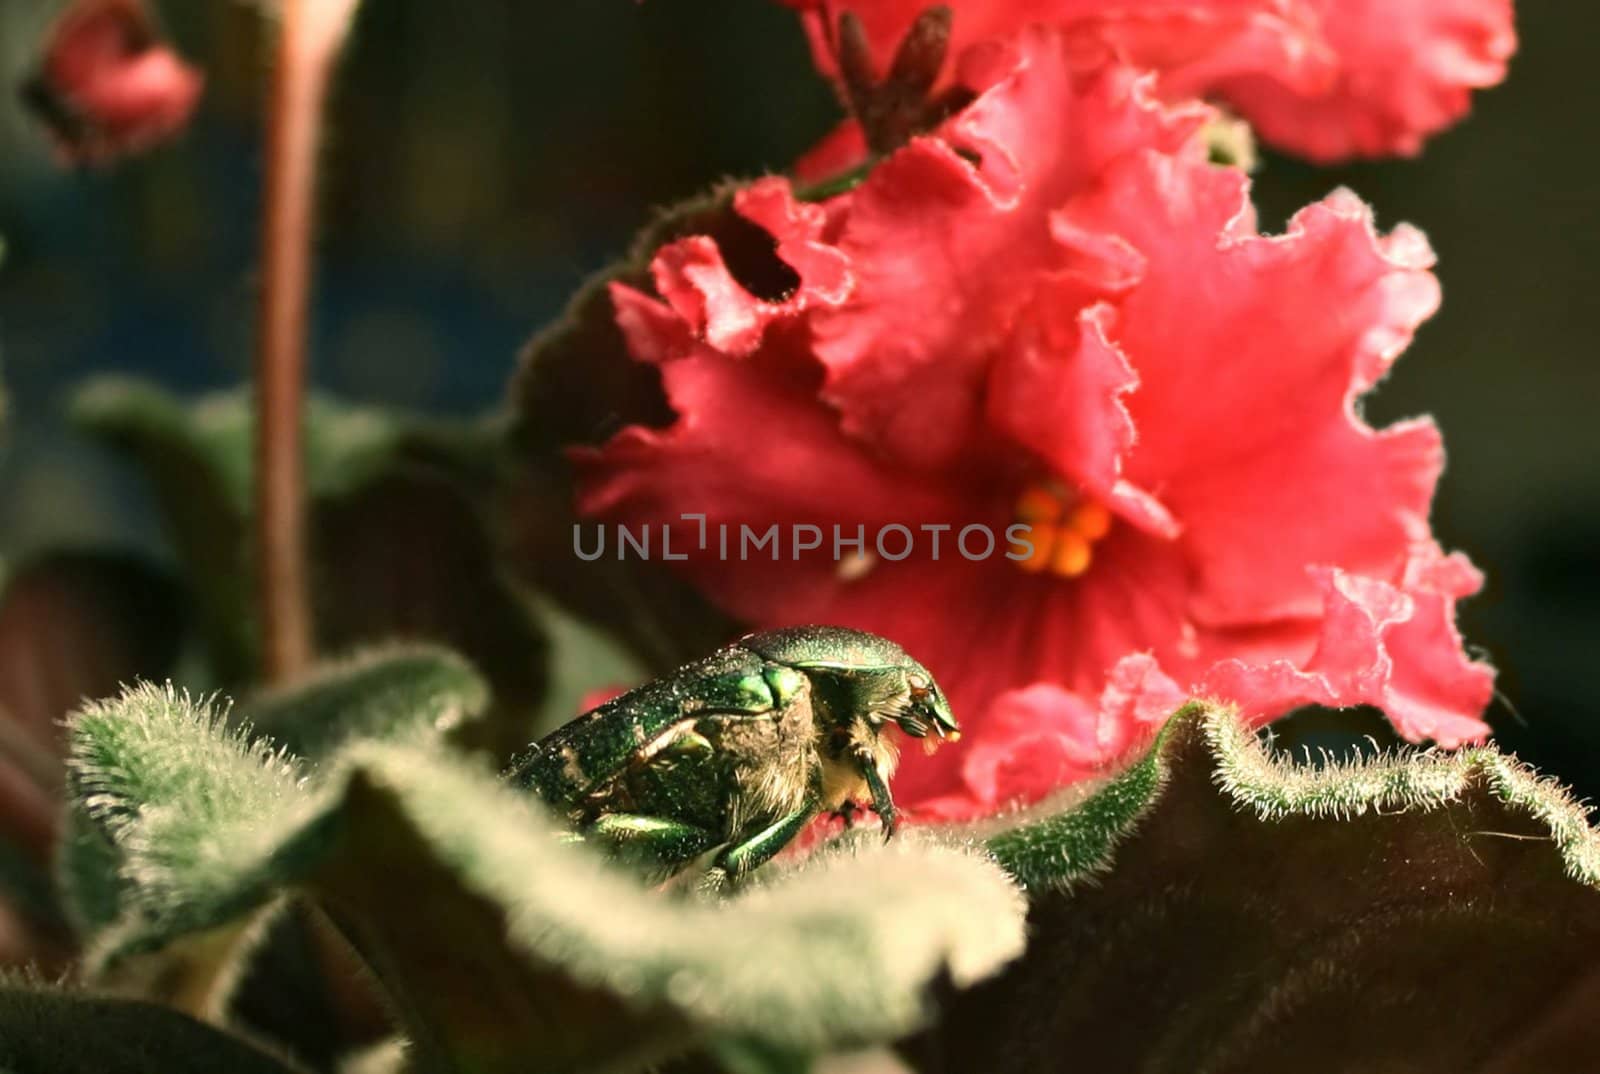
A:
[1186, 37]
[1040, 738]
[945, 253]
[692, 276]
[1327, 79]
[1393, 646]
[1246, 411]
[752, 446]
[1404, 72]
[1091, 305]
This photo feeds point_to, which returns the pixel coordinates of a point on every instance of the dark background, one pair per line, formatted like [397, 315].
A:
[486, 156]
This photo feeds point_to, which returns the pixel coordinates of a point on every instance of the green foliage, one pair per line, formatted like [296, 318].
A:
[88, 872]
[344, 445]
[509, 941]
[26, 888]
[199, 457]
[46, 1031]
[193, 807]
[1216, 907]
[398, 691]
[1212, 907]
[400, 543]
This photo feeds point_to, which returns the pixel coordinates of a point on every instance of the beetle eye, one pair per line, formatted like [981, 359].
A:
[918, 684]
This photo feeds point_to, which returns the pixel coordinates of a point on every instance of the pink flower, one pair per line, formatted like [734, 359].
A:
[1055, 312]
[108, 86]
[1403, 72]
[1326, 79]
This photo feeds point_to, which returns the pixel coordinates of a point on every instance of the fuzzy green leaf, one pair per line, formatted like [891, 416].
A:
[509, 942]
[195, 809]
[73, 624]
[1219, 908]
[88, 872]
[46, 1031]
[394, 692]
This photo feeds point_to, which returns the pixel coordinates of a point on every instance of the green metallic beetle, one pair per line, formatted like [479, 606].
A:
[737, 752]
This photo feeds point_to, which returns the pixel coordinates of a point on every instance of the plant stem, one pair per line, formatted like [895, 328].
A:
[283, 591]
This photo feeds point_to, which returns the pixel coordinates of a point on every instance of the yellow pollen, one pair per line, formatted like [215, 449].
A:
[1062, 530]
[1090, 518]
[1039, 504]
[1071, 555]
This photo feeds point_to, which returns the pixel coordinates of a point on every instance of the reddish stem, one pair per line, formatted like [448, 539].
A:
[283, 591]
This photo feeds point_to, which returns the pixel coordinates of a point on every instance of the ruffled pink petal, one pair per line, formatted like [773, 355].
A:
[1404, 72]
[1031, 742]
[1035, 740]
[653, 332]
[1392, 646]
[946, 253]
[1185, 37]
[1251, 352]
[1057, 389]
[1138, 697]
[1327, 79]
[692, 277]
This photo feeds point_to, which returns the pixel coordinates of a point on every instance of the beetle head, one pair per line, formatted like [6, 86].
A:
[926, 711]
[862, 676]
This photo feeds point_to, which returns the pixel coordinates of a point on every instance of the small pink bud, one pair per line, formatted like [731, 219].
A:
[108, 86]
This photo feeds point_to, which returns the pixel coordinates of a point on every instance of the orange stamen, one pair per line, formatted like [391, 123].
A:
[1042, 536]
[1062, 529]
[1090, 518]
[1039, 504]
[1072, 554]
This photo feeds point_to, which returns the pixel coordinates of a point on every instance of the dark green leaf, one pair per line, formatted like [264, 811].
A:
[88, 873]
[45, 1031]
[300, 987]
[400, 545]
[1218, 909]
[407, 554]
[399, 691]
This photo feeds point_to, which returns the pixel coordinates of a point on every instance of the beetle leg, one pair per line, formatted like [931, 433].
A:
[881, 802]
[653, 840]
[740, 858]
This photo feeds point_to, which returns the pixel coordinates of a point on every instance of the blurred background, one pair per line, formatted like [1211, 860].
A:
[485, 157]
